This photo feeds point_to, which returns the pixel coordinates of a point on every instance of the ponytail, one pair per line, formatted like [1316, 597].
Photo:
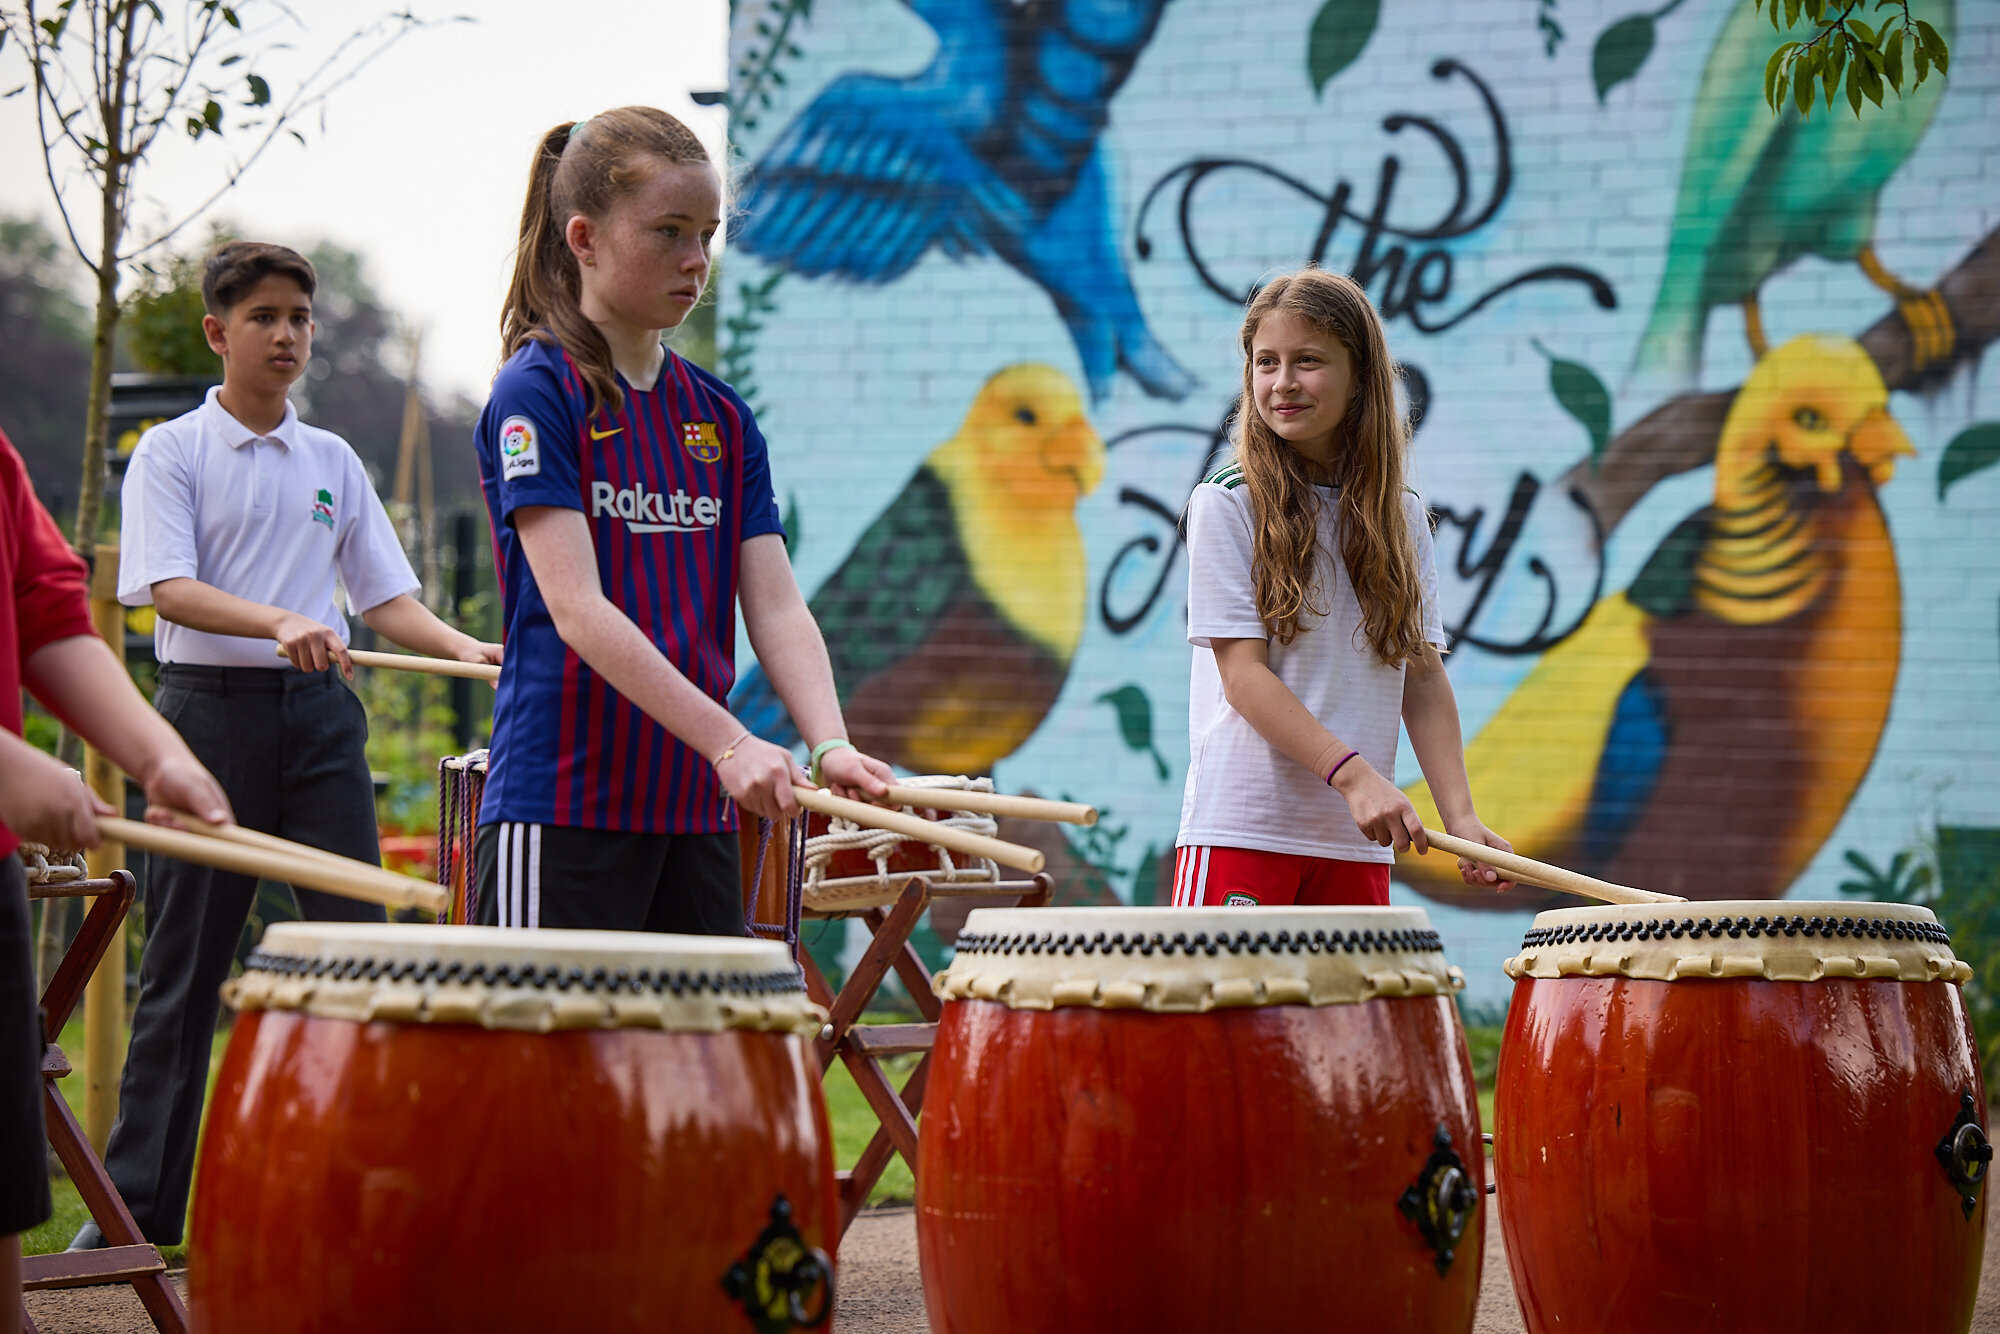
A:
[580, 167]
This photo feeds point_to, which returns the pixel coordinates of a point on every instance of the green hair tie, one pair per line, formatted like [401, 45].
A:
[576, 128]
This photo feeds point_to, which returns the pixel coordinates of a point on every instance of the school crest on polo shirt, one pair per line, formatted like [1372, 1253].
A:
[322, 511]
[702, 441]
[520, 448]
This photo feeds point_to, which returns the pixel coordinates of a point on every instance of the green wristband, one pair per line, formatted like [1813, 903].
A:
[824, 749]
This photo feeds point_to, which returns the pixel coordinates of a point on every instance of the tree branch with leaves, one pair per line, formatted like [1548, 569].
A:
[1850, 50]
[109, 77]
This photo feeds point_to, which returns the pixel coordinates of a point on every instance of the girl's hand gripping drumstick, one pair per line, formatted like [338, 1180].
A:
[920, 830]
[1531, 872]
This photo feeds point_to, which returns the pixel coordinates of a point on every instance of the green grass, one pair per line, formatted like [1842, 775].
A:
[853, 1125]
[70, 1212]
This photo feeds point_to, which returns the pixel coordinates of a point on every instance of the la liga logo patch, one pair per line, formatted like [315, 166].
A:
[701, 441]
[520, 448]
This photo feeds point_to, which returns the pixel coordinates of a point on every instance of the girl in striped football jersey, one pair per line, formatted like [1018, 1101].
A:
[1312, 606]
[632, 509]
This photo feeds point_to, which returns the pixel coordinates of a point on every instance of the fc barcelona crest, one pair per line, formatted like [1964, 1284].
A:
[701, 441]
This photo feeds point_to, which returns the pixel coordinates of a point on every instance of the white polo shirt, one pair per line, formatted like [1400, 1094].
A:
[271, 518]
[1241, 791]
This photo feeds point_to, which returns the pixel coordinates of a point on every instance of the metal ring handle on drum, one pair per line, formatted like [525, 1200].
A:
[1966, 1154]
[815, 1271]
[1441, 1200]
[774, 1278]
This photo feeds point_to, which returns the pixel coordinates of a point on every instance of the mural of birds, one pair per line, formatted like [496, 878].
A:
[1702, 732]
[1758, 191]
[952, 622]
[991, 149]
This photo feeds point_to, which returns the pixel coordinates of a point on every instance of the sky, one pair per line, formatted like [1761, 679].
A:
[420, 163]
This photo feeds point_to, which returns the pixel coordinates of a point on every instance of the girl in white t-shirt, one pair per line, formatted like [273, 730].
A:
[1312, 606]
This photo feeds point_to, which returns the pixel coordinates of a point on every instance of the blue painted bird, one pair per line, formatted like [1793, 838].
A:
[991, 149]
[952, 622]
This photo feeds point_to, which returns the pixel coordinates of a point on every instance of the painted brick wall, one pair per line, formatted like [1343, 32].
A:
[922, 213]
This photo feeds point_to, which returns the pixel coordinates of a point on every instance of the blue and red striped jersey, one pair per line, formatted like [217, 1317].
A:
[670, 486]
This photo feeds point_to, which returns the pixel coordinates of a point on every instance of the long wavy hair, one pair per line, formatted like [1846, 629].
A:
[1375, 540]
[580, 167]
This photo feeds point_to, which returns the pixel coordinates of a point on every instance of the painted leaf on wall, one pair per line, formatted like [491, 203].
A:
[1621, 49]
[1135, 721]
[1975, 449]
[1583, 396]
[1340, 30]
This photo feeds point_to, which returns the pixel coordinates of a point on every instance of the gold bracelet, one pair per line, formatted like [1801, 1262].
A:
[730, 750]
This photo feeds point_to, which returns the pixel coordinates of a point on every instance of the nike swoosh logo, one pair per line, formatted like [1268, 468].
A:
[596, 434]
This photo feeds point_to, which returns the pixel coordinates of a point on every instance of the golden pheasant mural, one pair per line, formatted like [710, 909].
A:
[1702, 732]
[1797, 684]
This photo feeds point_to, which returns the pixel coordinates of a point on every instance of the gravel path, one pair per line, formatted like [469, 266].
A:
[880, 1292]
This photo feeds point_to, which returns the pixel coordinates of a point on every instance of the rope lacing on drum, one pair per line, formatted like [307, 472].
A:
[545, 977]
[879, 845]
[47, 867]
[1158, 942]
[1695, 928]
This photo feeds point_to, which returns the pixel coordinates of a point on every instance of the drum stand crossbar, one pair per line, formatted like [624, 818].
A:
[861, 1047]
[127, 1257]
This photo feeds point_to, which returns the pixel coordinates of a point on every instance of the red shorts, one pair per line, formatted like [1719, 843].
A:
[1248, 877]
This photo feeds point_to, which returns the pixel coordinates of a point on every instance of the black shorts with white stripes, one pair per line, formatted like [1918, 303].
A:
[536, 875]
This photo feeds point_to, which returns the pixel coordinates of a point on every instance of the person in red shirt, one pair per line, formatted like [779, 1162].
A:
[47, 645]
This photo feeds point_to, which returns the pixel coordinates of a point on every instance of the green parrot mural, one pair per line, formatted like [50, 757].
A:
[952, 623]
[1703, 731]
[1759, 191]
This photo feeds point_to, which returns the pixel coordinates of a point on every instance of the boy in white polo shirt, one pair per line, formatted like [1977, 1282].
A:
[238, 518]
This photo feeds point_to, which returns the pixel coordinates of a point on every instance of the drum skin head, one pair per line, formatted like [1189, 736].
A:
[1191, 960]
[536, 981]
[1781, 941]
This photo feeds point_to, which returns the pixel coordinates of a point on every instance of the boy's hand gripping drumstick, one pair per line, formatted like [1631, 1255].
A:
[412, 662]
[1531, 872]
[919, 830]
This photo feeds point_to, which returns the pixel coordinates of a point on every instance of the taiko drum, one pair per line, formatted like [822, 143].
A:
[429, 1128]
[1756, 1117]
[1194, 1119]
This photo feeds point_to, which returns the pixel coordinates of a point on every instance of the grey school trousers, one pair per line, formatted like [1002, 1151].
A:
[288, 748]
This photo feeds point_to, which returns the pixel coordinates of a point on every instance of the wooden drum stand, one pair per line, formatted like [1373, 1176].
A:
[128, 1257]
[775, 902]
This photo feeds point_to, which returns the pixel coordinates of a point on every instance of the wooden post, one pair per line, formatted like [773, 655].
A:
[104, 997]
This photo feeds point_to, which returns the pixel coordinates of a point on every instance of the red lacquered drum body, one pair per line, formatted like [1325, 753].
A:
[1728, 1117]
[416, 1173]
[1165, 1139]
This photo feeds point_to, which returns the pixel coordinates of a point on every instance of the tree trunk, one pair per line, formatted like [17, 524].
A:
[96, 427]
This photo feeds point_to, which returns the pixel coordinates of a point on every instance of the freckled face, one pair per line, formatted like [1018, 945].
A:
[1302, 381]
[644, 264]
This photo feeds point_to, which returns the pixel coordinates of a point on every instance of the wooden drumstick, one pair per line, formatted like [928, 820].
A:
[252, 838]
[993, 803]
[300, 866]
[920, 830]
[1531, 872]
[412, 662]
